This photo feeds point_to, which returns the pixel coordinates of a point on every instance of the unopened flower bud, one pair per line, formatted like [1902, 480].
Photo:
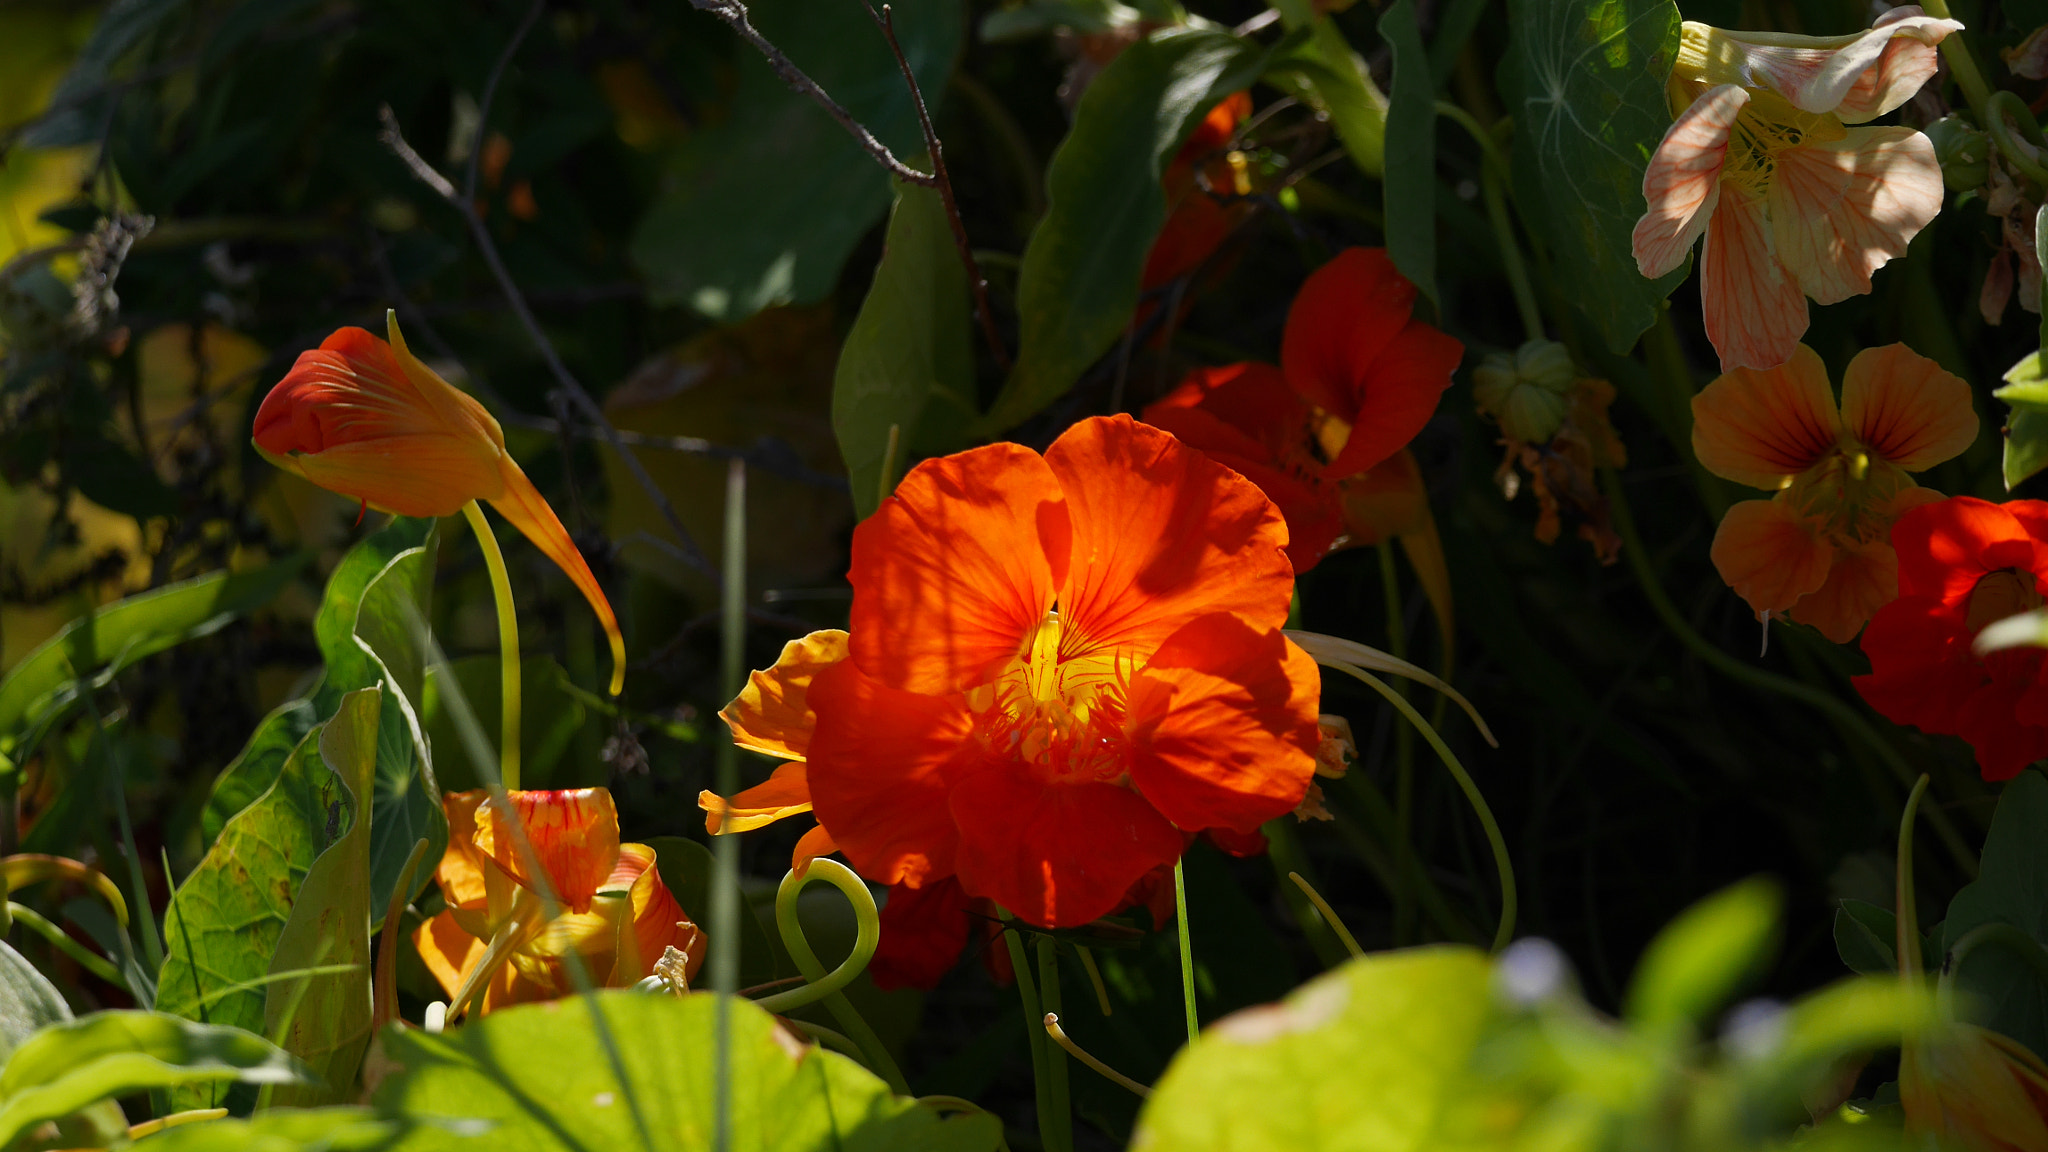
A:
[1963, 151]
[1528, 393]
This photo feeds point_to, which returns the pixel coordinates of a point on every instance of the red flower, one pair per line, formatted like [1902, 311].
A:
[1964, 563]
[1197, 223]
[1324, 435]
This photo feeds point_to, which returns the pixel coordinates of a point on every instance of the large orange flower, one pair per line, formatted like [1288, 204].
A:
[368, 420]
[614, 911]
[1764, 162]
[1820, 550]
[1058, 667]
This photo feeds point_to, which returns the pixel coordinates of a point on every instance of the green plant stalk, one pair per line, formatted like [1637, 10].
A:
[1329, 914]
[1906, 922]
[1404, 758]
[1062, 1139]
[144, 917]
[1187, 954]
[1961, 63]
[1840, 713]
[1493, 172]
[725, 872]
[1283, 850]
[1034, 1024]
[508, 645]
[824, 986]
[1380, 815]
[1996, 108]
[1501, 863]
[62, 942]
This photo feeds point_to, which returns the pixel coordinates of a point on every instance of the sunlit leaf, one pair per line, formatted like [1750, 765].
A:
[1705, 956]
[538, 1075]
[763, 208]
[1333, 79]
[1584, 80]
[906, 364]
[2026, 426]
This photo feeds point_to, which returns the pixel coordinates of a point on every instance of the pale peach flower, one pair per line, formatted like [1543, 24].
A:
[1792, 200]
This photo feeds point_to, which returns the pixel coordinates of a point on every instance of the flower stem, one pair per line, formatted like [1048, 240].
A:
[1960, 62]
[1492, 173]
[1034, 1024]
[725, 862]
[1061, 1138]
[1187, 955]
[1060, 1037]
[1995, 110]
[1329, 914]
[508, 646]
[1907, 916]
[1842, 714]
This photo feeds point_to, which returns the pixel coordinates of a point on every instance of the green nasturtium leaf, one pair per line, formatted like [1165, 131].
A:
[1368, 1055]
[2026, 426]
[1585, 84]
[906, 363]
[1701, 959]
[43, 688]
[538, 1076]
[1079, 283]
[323, 1018]
[2010, 995]
[69, 1067]
[225, 920]
[1409, 190]
[763, 208]
[1865, 937]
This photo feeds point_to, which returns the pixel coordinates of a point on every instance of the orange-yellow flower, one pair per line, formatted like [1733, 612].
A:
[613, 910]
[1974, 1090]
[368, 420]
[1820, 549]
[772, 716]
[1793, 201]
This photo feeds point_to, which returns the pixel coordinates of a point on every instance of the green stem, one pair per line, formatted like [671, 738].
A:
[1034, 1024]
[1367, 845]
[1404, 759]
[1492, 174]
[725, 860]
[1906, 916]
[1283, 849]
[1961, 63]
[152, 944]
[1995, 110]
[1329, 914]
[1842, 714]
[508, 646]
[1501, 863]
[62, 942]
[1061, 1138]
[820, 985]
[1187, 954]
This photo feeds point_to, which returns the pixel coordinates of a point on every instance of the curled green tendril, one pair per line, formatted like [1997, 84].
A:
[820, 985]
[1996, 108]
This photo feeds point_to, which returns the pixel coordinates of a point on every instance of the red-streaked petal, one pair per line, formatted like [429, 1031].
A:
[1754, 310]
[1344, 316]
[1906, 408]
[1161, 535]
[1058, 855]
[1683, 182]
[881, 762]
[771, 715]
[529, 511]
[1762, 427]
[1770, 556]
[1223, 725]
[1857, 77]
[423, 476]
[574, 835]
[1839, 211]
[955, 570]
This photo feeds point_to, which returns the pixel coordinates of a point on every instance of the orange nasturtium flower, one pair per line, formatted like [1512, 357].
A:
[613, 911]
[1793, 201]
[368, 420]
[1059, 668]
[772, 716]
[1820, 550]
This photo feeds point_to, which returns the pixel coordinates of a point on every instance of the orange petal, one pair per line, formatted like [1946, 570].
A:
[1344, 316]
[1385, 502]
[1762, 427]
[1754, 311]
[785, 793]
[811, 845]
[1223, 723]
[770, 715]
[1769, 556]
[1840, 210]
[881, 762]
[1161, 535]
[1863, 578]
[527, 510]
[462, 866]
[953, 571]
[1683, 181]
[448, 951]
[1905, 408]
[574, 835]
[659, 921]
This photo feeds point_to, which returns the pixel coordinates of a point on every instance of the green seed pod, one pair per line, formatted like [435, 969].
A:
[1963, 151]
[1528, 393]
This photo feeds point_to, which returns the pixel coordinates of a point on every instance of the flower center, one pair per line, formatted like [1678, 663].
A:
[1058, 705]
[1767, 125]
[1848, 491]
[2006, 592]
